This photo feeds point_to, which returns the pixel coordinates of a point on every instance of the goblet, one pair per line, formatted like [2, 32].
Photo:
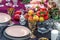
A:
[15, 3]
[8, 3]
[1, 5]
[0, 1]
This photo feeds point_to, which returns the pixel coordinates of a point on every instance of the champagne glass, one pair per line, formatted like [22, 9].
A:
[15, 3]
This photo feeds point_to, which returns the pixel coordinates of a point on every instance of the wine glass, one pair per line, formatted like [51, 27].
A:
[15, 3]
[8, 3]
[0, 1]
[1, 5]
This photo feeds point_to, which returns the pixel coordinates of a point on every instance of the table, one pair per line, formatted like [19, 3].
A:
[21, 6]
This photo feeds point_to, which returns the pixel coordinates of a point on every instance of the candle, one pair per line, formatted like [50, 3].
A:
[54, 34]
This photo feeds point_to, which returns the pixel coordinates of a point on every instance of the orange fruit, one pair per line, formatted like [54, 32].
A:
[30, 18]
[26, 16]
[30, 12]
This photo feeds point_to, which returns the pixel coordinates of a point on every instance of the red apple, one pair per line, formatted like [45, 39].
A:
[38, 13]
[16, 17]
[18, 12]
[46, 17]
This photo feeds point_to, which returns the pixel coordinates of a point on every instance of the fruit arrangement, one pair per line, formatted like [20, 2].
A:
[39, 12]
[41, 15]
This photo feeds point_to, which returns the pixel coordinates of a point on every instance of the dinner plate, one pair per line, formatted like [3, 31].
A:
[17, 31]
[4, 17]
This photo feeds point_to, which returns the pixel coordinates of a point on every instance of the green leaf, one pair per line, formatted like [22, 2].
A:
[37, 6]
[42, 12]
[26, 1]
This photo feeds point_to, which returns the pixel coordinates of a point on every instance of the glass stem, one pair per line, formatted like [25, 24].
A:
[15, 3]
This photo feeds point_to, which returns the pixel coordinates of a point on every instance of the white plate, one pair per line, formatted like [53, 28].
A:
[17, 31]
[4, 17]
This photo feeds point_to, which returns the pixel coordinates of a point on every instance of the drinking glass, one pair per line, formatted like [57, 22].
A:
[15, 3]
[0, 1]
[8, 3]
[1, 5]
[58, 38]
